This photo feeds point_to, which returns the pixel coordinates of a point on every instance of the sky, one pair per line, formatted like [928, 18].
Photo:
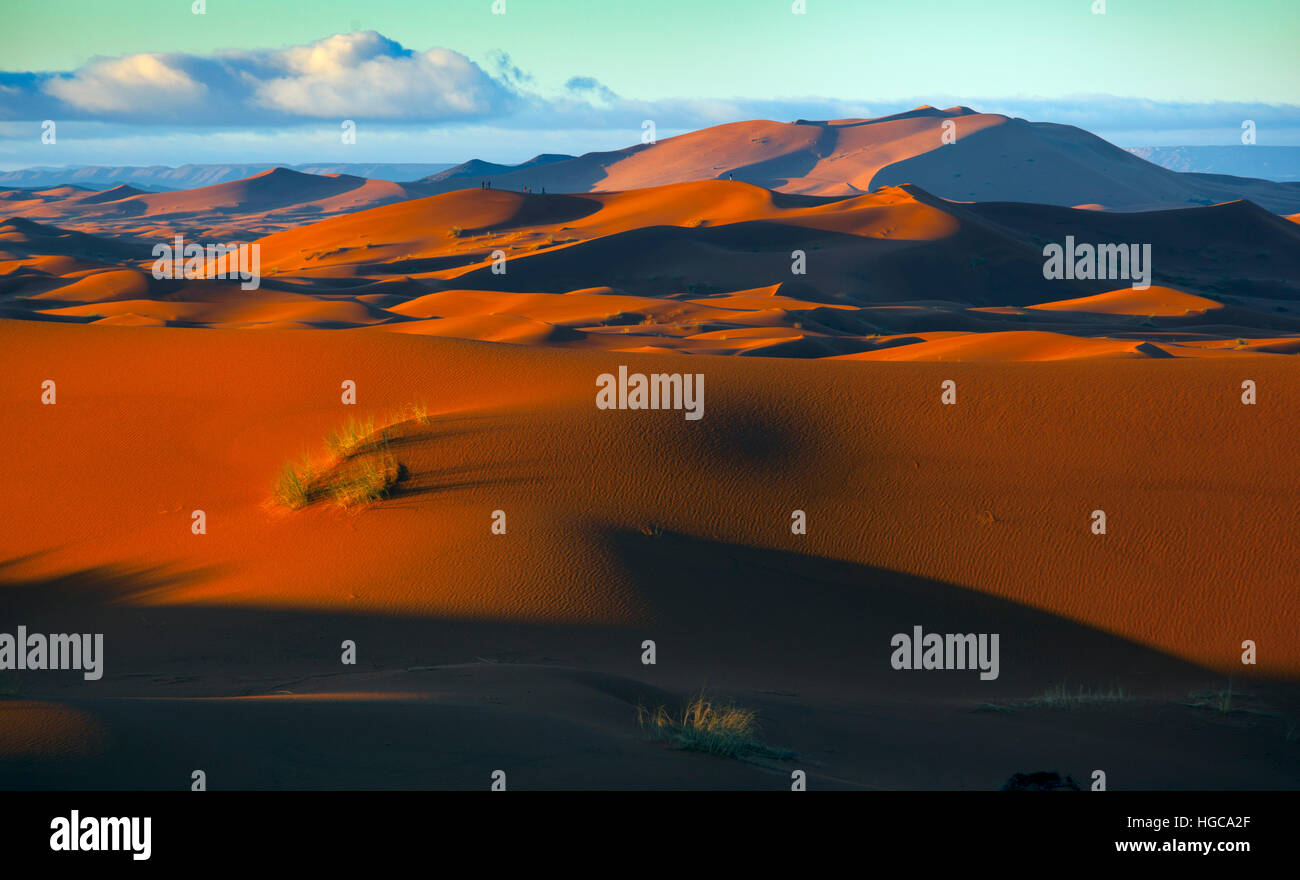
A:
[153, 82]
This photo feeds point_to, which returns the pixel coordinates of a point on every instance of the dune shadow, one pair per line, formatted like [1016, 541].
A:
[807, 619]
[813, 634]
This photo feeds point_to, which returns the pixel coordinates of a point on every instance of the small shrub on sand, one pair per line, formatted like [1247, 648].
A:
[414, 412]
[1220, 700]
[293, 487]
[351, 438]
[714, 728]
[1059, 696]
[363, 470]
[364, 481]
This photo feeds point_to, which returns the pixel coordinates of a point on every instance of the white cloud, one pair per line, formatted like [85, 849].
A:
[121, 85]
[439, 105]
[438, 82]
[360, 74]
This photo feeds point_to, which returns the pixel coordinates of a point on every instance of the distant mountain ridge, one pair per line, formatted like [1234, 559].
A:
[477, 168]
[163, 177]
[1238, 160]
[958, 154]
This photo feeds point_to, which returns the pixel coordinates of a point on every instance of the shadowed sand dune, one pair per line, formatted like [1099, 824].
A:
[1162, 301]
[890, 478]
[500, 549]
[236, 210]
[556, 704]
[706, 268]
[521, 651]
[955, 153]
[236, 690]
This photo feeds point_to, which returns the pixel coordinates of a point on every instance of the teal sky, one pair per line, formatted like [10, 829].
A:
[429, 81]
[1178, 50]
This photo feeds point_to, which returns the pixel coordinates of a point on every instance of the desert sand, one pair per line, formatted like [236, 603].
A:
[521, 650]
[527, 644]
[706, 268]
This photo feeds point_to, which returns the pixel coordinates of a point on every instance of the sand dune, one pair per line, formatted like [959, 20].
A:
[189, 176]
[237, 210]
[823, 300]
[503, 436]
[706, 268]
[1163, 301]
[1011, 345]
[955, 153]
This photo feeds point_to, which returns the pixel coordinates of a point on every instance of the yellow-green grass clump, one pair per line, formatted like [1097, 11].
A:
[350, 439]
[363, 470]
[723, 729]
[364, 480]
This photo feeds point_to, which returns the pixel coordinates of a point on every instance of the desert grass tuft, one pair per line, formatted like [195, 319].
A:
[363, 469]
[1059, 696]
[413, 412]
[364, 480]
[355, 435]
[292, 489]
[1220, 701]
[723, 729]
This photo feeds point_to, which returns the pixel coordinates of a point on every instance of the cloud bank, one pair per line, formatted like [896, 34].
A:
[367, 77]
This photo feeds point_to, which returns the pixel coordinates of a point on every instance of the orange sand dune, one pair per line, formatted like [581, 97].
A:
[822, 158]
[1013, 345]
[704, 267]
[489, 328]
[48, 264]
[474, 323]
[866, 449]
[23, 237]
[275, 188]
[460, 221]
[32, 729]
[1282, 345]
[571, 307]
[307, 311]
[763, 298]
[1155, 300]
[238, 209]
[101, 287]
[955, 153]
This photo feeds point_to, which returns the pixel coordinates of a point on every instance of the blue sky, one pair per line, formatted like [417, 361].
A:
[150, 81]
